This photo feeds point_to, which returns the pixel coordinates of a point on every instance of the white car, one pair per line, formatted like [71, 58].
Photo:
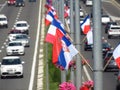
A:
[89, 2]
[23, 38]
[15, 48]
[114, 31]
[11, 66]
[23, 26]
[105, 19]
[3, 21]
[81, 12]
[13, 33]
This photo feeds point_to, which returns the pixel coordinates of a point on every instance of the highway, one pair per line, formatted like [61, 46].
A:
[29, 13]
[109, 78]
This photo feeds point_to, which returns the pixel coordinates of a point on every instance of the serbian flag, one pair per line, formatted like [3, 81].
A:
[63, 51]
[52, 31]
[49, 18]
[66, 11]
[116, 55]
[90, 37]
[85, 25]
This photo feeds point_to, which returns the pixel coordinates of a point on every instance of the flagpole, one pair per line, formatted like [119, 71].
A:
[61, 12]
[78, 45]
[71, 31]
[107, 63]
[97, 46]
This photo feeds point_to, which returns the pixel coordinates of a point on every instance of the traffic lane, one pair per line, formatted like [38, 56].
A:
[28, 58]
[111, 8]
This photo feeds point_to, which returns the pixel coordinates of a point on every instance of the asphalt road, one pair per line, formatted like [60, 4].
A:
[30, 14]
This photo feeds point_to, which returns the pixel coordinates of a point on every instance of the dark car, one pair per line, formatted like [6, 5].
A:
[108, 25]
[105, 48]
[109, 62]
[88, 47]
[32, 0]
[20, 3]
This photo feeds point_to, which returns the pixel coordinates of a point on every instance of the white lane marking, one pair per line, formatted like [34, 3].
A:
[3, 5]
[35, 52]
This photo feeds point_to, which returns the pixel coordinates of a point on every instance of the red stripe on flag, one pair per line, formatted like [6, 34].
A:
[118, 61]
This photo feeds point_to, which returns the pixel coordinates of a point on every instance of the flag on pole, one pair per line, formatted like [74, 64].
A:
[63, 51]
[116, 55]
[90, 37]
[85, 25]
[52, 31]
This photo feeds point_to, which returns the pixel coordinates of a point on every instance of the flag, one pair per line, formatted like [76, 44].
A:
[49, 2]
[66, 11]
[85, 25]
[52, 31]
[90, 37]
[49, 18]
[63, 51]
[116, 55]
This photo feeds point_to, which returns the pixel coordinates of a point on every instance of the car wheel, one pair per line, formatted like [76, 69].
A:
[109, 37]
[21, 76]
[2, 77]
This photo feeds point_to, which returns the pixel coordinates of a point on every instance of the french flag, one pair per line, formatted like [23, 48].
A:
[53, 30]
[85, 25]
[90, 37]
[116, 55]
[63, 51]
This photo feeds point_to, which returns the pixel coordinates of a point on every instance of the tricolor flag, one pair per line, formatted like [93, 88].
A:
[53, 30]
[90, 37]
[116, 55]
[85, 25]
[49, 18]
[63, 51]
[66, 11]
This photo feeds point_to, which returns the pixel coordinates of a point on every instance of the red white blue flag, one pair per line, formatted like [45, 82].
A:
[85, 25]
[53, 30]
[63, 51]
[116, 55]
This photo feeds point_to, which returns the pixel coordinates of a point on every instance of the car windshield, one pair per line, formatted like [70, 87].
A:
[15, 44]
[105, 45]
[21, 37]
[21, 25]
[15, 32]
[2, 19]
[11, 61]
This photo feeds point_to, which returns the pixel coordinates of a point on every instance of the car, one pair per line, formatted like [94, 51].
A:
[23, 26]
[108, 25]
[32, 0]
[105, 48]
[81, 12]
[20, 3]
[105, 19]
[114, 31]
[11, 66]
[11, 2]
[109, 63]
[3, 21]
[15, 48]
[88, 47]
[23, 38]
[89, 2]
[12, 33]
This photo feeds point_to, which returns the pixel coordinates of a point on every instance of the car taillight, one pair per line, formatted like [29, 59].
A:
[119, 77]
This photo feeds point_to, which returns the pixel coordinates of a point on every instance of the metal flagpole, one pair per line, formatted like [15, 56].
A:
[72, 76]
[63, 73]
[97, 48]
[78, 38]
